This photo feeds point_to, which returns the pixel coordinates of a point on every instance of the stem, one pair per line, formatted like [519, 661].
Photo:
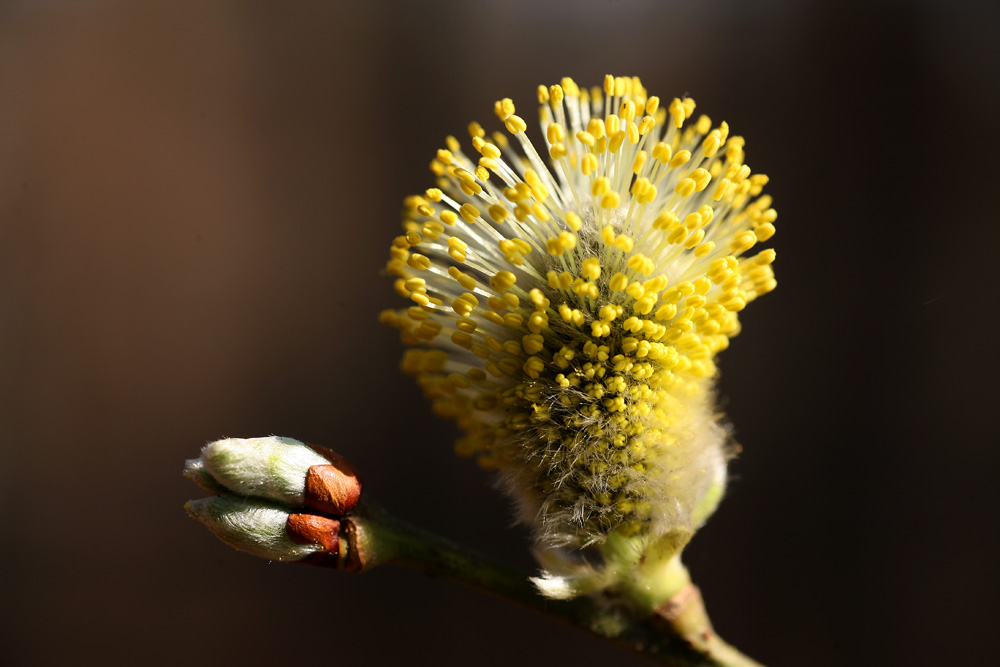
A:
[678, 633]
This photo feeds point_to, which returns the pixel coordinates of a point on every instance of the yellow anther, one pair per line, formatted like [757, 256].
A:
[652, 104]
[503, 108]
[596, 128]
[701, 178]
[627, 110]
[445, 156]
[432, 229]
[533, 343]
[543, 94]
[556, 94]
[608, 235]
[502, 281]
[464, 279]
[538, 298]
[558, 151]
[696, 237]
[537, 321]
[616, 140]
[586, 138]
[722, 189]
[689, 106]
[476, 130]
[618, 282]
[662, 152]
[554, 133]
[611, 200]
[764, 232]
[641, 263]
[462, 339]
[609, 84]
[711, 143]
[469, 213]
[415, 285]
[591, 268]
[515, 124]
[470, 187]
[666, 312]
[743, 242]
[632, 133]
[635, 290]
[589, 164]
[770, 215]
[601, 186]
[666, 221]
[412, 238]
[533, 367]
[490, 151]
[449, 217]
[563, 280]
[677, 235]
[685, 188]
[704, 250]
[573, 221]
[676, 110]
[703, 125]
[624, 242]
[512, 347]
[434, 194]
[498, 213]
[607, 313]
[680, 158]
[765, 257]
[639, 163]
[419, 262]
[612, 124]
[513, 320]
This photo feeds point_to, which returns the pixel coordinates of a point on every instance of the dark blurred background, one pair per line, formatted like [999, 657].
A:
[196, 200]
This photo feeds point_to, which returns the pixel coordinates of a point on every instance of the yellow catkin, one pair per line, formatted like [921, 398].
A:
[568, 315]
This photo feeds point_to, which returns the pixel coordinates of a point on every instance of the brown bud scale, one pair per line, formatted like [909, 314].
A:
[333, 488]
[312, 529]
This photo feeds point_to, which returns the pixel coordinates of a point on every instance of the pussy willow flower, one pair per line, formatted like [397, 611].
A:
[567, 311]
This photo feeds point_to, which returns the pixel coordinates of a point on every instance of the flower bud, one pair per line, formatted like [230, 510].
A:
[266, 530]
[284, 470]
[194, 470]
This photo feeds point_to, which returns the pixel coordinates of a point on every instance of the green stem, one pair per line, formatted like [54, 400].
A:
[677, 634]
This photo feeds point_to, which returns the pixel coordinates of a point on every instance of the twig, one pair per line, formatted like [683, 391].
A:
[678, 633]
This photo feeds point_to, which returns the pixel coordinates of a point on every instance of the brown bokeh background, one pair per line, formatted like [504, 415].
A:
[196, 200]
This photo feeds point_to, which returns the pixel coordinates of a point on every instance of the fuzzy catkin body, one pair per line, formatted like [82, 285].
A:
[568, 315]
